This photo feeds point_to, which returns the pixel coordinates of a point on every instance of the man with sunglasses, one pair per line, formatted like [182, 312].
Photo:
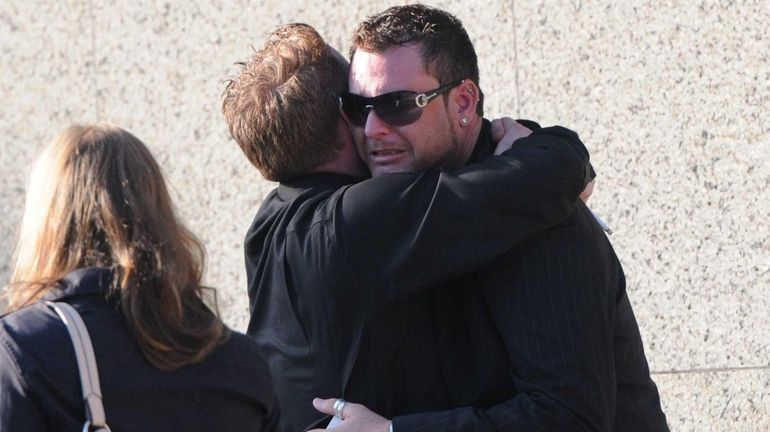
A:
[340, 270]
[557, 302]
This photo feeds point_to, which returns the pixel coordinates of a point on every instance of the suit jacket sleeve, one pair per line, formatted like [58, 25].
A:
[552, 301]
[417, 230]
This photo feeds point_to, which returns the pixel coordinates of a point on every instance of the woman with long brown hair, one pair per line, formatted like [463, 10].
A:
[99, 232]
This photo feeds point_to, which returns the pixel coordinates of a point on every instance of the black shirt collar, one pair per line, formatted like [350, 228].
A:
[314, 181]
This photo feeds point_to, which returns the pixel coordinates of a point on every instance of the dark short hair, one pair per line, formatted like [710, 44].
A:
[447, 51]
[282, 107]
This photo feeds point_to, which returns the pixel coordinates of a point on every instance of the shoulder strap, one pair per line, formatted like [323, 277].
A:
[89, 375]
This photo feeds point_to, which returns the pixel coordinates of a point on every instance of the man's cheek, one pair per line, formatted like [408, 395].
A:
[359, 138]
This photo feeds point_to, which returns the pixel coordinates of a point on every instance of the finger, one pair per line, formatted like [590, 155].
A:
[497, 130]
[589, 189]
[325, 406]
[501, 126]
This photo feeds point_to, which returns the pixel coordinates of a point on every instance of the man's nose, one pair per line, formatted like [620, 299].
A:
[375, 127]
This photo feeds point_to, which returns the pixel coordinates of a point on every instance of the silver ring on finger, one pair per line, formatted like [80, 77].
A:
[339, 405]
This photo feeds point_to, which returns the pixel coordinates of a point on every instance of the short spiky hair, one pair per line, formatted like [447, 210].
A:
[447, 51]
[282, 107]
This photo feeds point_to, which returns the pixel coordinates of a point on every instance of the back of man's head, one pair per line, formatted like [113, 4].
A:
[282, 107]
[447, 51]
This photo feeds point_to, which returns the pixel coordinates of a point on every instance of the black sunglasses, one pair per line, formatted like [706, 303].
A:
[398, 108]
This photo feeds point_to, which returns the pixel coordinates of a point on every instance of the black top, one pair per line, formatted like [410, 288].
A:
[40, 386]
[557, 306]
[336, 267]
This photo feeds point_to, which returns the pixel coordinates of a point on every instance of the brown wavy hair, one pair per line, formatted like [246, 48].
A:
[97, 198]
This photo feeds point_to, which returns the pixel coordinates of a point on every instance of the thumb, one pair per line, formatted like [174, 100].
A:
[497, 130]
[325, 406]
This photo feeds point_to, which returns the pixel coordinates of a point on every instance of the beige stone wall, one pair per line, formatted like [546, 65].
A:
[671, 97]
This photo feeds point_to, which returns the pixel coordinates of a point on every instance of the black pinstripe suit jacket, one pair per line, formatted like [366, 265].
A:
[543, 339]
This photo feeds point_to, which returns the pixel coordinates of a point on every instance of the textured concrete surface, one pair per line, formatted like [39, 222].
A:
[46, 69]
[673, 99]
[728, 400]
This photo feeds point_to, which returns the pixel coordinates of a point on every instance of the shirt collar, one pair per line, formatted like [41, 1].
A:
[314, 181]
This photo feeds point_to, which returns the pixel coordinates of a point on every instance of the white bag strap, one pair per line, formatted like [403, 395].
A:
[89, 375]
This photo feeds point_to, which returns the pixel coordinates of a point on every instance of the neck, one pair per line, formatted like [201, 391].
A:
[346, 159]
[471, 137]
[346, 162]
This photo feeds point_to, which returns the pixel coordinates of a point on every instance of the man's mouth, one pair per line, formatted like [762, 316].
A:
[385, 153]
[386, 156]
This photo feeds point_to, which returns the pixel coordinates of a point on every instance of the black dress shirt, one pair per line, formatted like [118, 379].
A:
[230, 390]
[558, 306]
[337, 269]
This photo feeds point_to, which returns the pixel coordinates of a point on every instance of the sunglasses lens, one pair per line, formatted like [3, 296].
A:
[398, 108]
[354, 107]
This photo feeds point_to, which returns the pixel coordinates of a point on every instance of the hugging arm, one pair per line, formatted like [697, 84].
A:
[424, 228]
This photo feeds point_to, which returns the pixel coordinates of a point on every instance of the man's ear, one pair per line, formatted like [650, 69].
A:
[466, 98]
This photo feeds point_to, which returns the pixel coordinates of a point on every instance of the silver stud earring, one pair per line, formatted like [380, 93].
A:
[464, 121]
